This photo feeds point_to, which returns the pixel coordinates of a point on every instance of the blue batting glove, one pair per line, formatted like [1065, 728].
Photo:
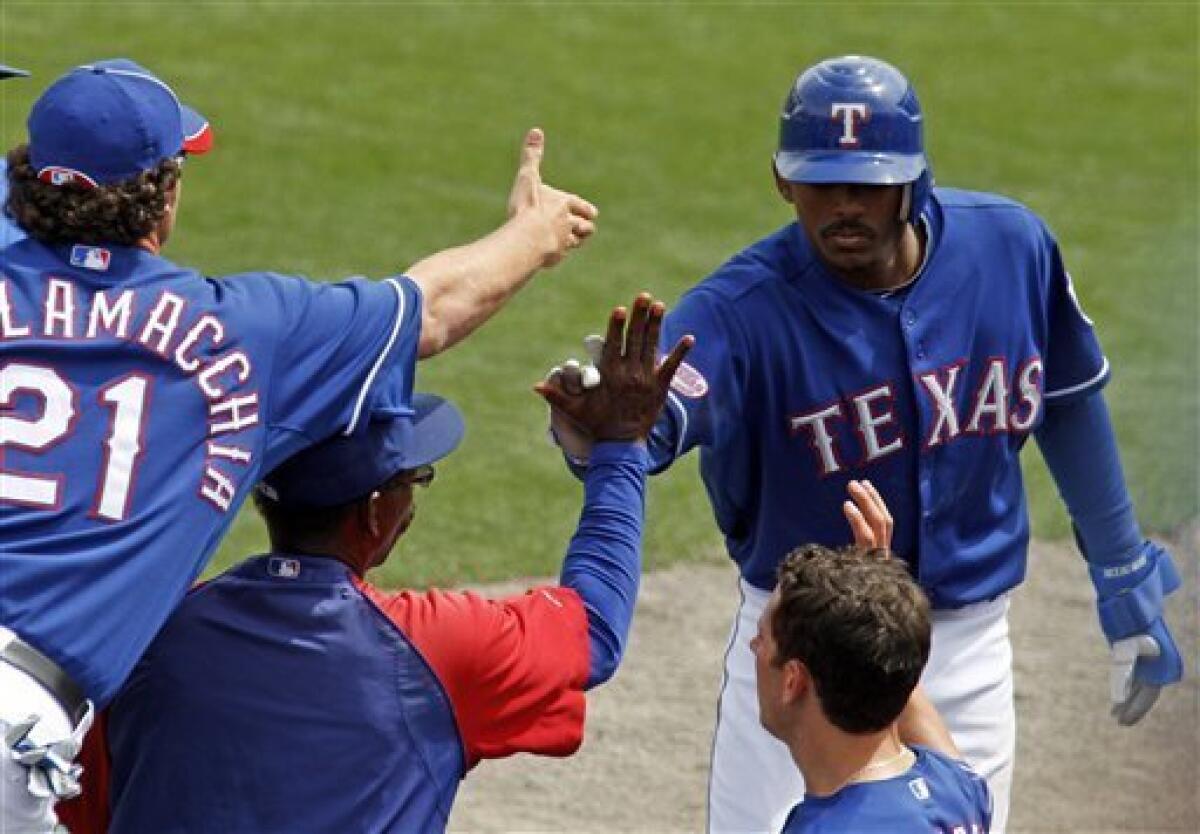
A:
[1144, 657]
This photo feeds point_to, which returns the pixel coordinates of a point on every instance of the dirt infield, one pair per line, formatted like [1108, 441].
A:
[643, 766]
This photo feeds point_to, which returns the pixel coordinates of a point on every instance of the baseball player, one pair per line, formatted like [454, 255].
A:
[917, 337]
[839, 649]
[140, 400]
[9, 231]
[303, 698]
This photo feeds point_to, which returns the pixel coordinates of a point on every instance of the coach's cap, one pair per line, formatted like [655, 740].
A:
[345, 468]
[11, 72]
[109, 121]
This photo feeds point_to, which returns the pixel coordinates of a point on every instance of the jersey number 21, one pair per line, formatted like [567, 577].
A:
[125, 397]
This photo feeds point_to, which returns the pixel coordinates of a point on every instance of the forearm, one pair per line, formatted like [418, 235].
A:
[604, 561]
[1080, 449]
[921, 724]
[465, 285]
[1130, 574]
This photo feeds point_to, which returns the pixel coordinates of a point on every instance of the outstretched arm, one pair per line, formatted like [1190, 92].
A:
[603, 562]
[464, 286]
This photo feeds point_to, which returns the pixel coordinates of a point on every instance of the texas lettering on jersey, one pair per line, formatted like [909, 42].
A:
[1002, 402]
[162, 328]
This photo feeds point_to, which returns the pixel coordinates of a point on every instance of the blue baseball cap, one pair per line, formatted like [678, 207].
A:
[345, 468]
[11, 72]
[109, 121]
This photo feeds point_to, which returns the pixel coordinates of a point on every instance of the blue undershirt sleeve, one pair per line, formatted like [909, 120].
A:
[1077, 441]
[604, 560]
[662, 446]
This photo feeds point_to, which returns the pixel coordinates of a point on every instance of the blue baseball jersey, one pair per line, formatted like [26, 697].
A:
[10, 232]
[938, 795]
[139, 403]
[799, 383]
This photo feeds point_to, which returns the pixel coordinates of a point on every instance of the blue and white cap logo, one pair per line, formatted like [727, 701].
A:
[57, 175]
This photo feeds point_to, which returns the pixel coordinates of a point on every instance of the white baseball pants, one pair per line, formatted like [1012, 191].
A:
[27, 803]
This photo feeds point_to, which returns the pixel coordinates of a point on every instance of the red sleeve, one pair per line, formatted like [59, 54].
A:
[514, 669]
[88, 813]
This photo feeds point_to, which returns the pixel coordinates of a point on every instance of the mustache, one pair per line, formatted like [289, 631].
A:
[847, 226]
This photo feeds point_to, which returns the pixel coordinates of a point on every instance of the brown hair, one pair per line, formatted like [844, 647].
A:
[860, 624]
[122, 213]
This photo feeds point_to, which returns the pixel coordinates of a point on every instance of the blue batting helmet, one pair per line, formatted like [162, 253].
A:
[855, 120]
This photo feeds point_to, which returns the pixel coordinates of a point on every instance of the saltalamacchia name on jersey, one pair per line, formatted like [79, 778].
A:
[225, 381]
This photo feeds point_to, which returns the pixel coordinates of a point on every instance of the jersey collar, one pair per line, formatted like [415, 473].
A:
[286, 568]
[925, 250]
[108, 263]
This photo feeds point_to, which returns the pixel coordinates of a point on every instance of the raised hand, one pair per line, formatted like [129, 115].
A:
[559, 221]
[632, 388]
[869, 519]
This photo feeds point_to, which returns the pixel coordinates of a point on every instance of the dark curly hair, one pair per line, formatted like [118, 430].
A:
[122, 214]
[860, 624]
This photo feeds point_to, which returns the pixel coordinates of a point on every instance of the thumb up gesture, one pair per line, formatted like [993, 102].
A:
[557, 221]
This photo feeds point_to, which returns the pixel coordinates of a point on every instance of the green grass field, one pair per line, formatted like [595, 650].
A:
[355, 138]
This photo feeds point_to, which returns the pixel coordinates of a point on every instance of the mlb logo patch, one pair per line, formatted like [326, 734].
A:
[90, 257]
[919, 788]
[283, 568]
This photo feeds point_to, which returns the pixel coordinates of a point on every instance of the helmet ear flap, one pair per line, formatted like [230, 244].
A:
[905, 203]
[916, 197]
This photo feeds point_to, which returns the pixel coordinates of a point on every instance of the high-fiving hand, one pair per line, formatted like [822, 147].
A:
[632, 387]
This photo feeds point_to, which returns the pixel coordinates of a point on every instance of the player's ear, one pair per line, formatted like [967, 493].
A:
[796, 681]
[370, 514]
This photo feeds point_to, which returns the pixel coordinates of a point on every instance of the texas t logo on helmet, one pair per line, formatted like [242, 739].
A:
[850, 115]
